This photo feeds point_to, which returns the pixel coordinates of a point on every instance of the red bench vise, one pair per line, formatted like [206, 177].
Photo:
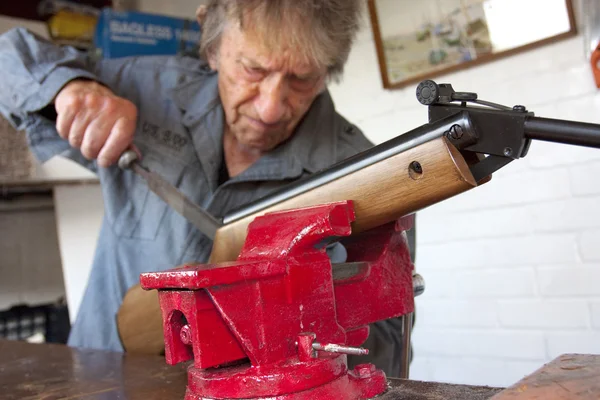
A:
[279, 322]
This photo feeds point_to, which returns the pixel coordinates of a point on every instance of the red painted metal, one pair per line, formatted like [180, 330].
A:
[251, 325]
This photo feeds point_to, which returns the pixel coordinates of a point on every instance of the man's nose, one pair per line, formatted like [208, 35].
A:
[271, 102]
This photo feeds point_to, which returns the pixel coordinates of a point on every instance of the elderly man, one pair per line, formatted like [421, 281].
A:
[248, 117]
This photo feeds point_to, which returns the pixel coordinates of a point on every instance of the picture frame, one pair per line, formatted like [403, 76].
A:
[418, 40]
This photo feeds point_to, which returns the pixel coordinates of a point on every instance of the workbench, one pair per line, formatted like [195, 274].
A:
[51, 371]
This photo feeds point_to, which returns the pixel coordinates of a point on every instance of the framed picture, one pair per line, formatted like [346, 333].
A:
[419, 40]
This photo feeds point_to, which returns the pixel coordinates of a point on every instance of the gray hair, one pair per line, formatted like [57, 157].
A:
[322, 31]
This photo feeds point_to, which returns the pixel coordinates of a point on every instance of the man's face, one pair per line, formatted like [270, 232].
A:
[264, 94]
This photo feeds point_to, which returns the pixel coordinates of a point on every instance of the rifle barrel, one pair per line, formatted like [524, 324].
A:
[562, 131]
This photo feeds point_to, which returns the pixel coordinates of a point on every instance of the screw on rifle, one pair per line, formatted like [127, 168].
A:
[415, 170]
[520, 108]
[507, 151]
[456, 132]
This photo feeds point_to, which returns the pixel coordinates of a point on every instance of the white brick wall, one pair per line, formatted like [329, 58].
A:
[512, 269]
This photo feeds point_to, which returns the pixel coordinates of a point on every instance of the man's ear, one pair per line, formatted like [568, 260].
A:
[201, 13]
[213, 59]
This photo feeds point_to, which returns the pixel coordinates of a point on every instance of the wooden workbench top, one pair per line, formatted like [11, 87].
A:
[46, 371]
[49, 371]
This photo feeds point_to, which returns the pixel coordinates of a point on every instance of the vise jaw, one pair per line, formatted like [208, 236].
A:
[280, 320]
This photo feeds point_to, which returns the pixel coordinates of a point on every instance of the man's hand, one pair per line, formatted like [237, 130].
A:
[96, 121]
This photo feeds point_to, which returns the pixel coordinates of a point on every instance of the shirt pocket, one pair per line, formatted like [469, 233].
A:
[132, 209]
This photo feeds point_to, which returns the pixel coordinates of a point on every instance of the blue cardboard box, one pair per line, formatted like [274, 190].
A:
[124, 34]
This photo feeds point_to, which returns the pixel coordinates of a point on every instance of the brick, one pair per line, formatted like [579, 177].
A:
[364, 98]
[490, 81]
[584, 178]
[583, 107]
[552, 155]
[588, 245]
[503, 344]
[549, 86]
[572, 342]
[441, 227]
[375, 104]
[439, 284]
[388, 125]
[527, 187]
[569, 280]
[496, 284]
[564, 314]
[505, 252]
[595, 311]
[456, 313]
[421, 368]
[566, 215]
[480, 371]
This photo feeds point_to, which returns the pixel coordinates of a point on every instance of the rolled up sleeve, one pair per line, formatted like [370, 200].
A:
[32, 72]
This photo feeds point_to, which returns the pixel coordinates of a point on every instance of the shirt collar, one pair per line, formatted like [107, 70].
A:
[311, 148]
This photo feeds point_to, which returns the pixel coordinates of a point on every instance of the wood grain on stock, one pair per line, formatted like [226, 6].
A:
[382, 192]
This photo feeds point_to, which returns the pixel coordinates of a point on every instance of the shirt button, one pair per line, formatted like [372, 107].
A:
[349, 129]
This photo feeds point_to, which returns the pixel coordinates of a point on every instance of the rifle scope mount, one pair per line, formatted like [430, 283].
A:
[430, 93]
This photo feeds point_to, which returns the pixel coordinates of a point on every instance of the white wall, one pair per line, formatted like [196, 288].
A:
[512, 268]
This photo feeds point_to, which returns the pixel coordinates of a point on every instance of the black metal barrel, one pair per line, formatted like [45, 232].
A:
[562, 131]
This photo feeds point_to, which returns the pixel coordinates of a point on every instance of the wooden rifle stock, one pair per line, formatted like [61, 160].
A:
[399, 185]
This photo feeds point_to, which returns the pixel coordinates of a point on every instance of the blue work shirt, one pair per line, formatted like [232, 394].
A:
[179, 133]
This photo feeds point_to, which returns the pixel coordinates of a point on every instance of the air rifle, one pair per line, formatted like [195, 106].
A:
[465, 141]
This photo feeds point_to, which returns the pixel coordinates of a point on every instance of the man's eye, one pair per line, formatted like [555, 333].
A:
[254, 72]
[303, 83]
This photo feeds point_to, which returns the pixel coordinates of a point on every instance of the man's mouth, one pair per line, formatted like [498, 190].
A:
[261, 126]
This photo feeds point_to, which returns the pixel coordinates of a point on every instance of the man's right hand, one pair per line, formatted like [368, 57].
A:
[96, 121]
